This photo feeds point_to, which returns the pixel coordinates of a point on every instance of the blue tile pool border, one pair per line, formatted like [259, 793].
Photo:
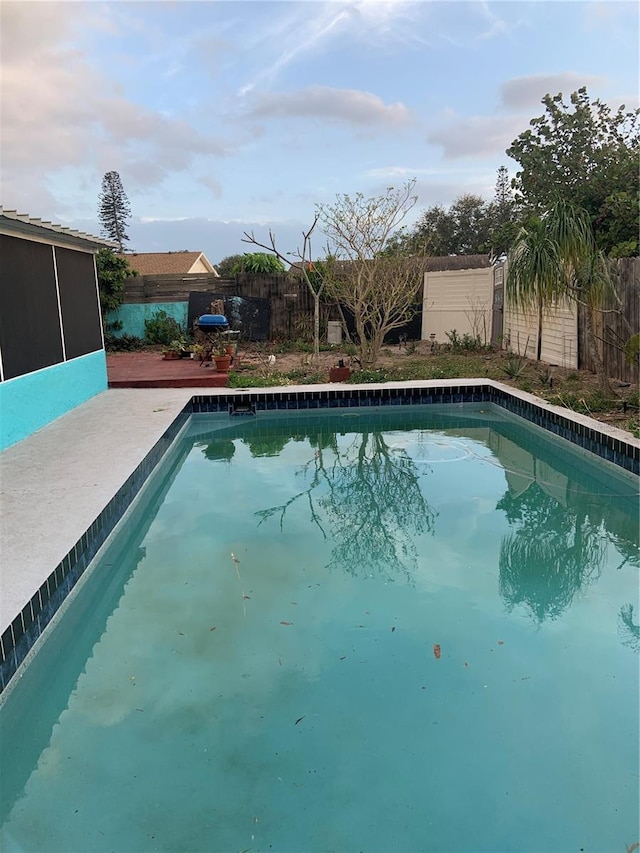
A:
[22, 634]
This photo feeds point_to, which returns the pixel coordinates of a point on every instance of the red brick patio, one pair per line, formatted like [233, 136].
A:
[150, 370]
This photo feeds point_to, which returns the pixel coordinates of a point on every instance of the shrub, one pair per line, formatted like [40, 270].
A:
[465, 343]
[632, 349]
[162, 329]
[514, 366]
[125, 343]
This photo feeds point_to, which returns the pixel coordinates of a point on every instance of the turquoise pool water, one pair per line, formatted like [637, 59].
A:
[405, 631]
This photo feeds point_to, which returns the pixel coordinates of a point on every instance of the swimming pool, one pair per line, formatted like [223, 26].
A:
[424, 640]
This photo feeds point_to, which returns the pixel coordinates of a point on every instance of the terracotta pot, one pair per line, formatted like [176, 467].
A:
[223, 363]
[170, 355]
[339, 374]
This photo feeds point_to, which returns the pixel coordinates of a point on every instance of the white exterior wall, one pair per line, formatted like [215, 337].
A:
[559, 333]
[460, 300]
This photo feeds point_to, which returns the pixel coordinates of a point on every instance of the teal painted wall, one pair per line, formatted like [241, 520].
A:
[29, 402]
[132, 315]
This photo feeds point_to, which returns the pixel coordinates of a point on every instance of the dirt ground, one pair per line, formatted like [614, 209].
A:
[575, 389]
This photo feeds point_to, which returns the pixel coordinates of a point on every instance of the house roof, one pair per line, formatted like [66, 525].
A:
[24, 225]
[166, 263]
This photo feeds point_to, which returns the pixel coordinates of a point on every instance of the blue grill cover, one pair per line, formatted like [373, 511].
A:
[207, 322]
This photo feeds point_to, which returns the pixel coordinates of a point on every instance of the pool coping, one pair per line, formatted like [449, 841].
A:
[20, 635]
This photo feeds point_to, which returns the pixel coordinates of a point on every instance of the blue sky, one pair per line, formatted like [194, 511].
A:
[229, 116]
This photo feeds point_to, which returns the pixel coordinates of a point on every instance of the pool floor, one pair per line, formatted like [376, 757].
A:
[399, 633]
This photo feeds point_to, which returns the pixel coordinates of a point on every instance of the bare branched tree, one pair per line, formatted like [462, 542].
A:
[314, 282]
[378, 287]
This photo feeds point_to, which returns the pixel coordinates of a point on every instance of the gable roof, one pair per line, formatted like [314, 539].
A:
[166, 263]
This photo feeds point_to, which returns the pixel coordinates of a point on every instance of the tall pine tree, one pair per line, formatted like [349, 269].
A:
[114, 209]
[503, 214]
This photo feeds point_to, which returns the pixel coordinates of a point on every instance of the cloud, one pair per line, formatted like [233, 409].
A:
[306, 29]
[348, 106]
[478, 136]
[60, 114]
[212, 185]
[522, 92]
[497, 25]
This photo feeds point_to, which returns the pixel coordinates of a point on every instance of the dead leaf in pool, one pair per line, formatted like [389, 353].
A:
[436, 651]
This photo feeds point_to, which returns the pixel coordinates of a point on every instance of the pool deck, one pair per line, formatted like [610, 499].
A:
[55, 483]
[150, 370]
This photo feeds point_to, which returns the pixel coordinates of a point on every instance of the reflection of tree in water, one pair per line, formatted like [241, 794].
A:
[627, 629]
[370, 498]
[219, 448]
[552, 553]
[266, 445]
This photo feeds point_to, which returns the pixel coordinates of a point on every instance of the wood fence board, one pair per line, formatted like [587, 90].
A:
[611, 329]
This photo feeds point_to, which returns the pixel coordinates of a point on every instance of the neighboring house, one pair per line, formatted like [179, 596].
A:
[170, 263]
[52, 355]
[458, 295]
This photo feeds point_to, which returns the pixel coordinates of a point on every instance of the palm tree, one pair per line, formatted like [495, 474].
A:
[554, 258]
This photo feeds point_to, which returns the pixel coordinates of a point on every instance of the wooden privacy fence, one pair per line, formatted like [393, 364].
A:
[610, 327]
[290, 301]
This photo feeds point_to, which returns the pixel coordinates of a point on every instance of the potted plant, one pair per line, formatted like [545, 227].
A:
[222, 357]
[175, 349]
[197, 352]
[340, 373]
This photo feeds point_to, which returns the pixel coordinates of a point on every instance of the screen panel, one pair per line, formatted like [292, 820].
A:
[30, 335]
[79, 301]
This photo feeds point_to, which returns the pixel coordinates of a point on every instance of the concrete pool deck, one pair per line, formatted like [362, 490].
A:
[55, 483]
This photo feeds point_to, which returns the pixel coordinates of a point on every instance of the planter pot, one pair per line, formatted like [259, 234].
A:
[170, 355]
[223, 363]
[339, 374]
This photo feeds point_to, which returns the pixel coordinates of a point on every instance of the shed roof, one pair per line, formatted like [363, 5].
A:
[458, 262]
[24, 225]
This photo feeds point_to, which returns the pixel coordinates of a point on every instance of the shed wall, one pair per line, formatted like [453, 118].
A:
[460, 300]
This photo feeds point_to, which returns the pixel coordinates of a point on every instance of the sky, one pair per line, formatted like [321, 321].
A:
[227, 117]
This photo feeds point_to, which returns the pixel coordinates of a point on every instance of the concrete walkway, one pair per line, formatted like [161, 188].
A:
[57, 481]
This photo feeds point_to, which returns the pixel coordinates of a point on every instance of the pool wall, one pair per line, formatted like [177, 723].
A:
[26, 627]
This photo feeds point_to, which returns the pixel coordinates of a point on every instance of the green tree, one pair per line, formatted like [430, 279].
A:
[503, 215]
[555, 257]
[227, 265]
[379, 289]
[464, 228]
[585, 153]
[258, 263]
[112, 271]
[114, 209]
